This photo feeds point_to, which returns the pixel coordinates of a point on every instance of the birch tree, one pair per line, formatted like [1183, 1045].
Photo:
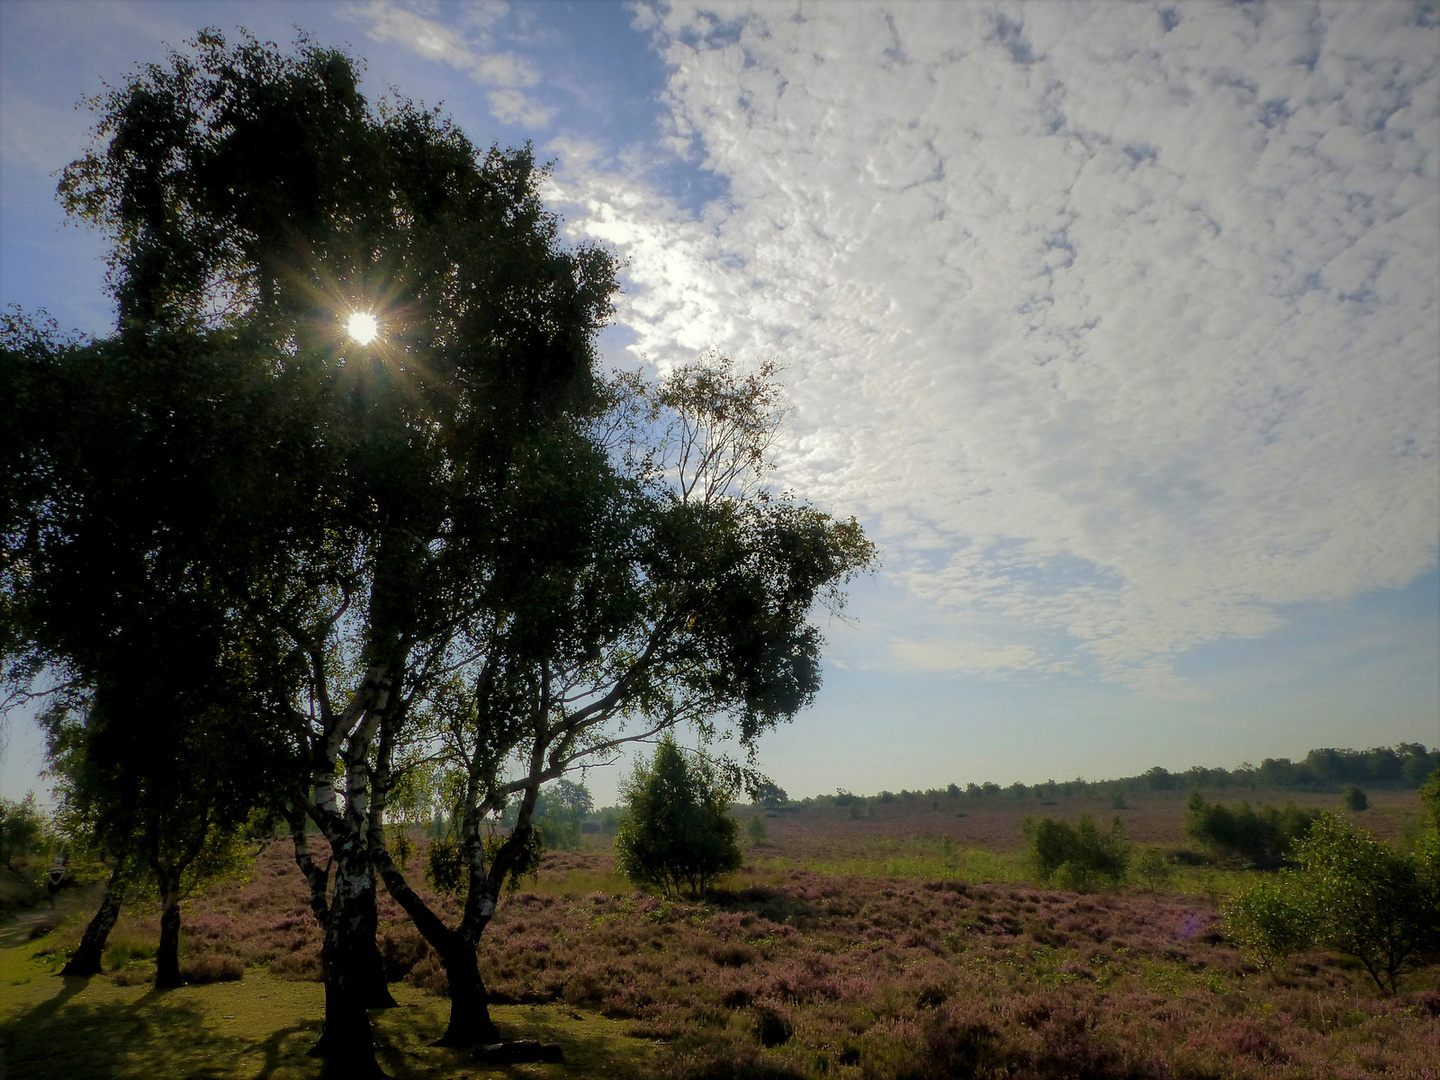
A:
[689, 602]
[407, 322]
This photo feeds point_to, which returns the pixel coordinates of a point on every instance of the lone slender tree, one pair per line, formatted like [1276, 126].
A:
[686, 599]
[678, 832]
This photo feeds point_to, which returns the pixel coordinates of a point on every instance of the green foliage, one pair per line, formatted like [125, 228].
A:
[523, 856]
[678, 832]
[1430, 800]
[1353, 894]
[1260, 838]
[445, 867]
[1271, 919]
[1371, 901]
[757, 830]
[560, 809]
[1152, 868]
[767, 793]
[1355, 798]
[399, 844]
[22, 830]
[1077, 856]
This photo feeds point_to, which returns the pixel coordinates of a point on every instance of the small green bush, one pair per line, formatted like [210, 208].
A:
[1353, 894]
[1152, 869]
[1077, 856]
[22, 830]
[1356, 799]
[1271, 920]
[757, 830]
[1430, 801]
[445, 865]
[678, 832]
[1261, 838]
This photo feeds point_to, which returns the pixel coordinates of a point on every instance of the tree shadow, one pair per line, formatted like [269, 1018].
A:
[301, 1037]
[769, 903]
[59, 1039]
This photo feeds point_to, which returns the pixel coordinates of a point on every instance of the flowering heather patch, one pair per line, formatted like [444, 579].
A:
[871, 829]
[821, 973]
[808, 975]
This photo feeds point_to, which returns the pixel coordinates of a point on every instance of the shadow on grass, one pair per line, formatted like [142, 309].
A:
[62, 1039]
[109, 1033]
[769, 903]
[593, 1046]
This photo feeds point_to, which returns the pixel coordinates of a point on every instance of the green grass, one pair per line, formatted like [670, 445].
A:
[970, 865]
[579, 883]
[54, 1028]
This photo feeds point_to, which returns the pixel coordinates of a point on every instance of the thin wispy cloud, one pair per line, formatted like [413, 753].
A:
[464, 48]
[1118, 322]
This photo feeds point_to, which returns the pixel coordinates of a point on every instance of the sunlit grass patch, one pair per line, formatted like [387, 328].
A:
[577, 882]
[912, 861]
[57, 1028]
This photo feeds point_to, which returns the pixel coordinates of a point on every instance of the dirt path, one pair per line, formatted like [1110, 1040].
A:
[17, 931]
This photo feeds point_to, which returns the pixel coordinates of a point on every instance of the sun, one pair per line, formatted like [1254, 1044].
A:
[362, 327]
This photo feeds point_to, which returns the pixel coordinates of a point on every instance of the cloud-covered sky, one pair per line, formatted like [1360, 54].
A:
[1117, 325]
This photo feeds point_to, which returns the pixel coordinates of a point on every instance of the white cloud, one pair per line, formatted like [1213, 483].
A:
[513, 107]
[1132, 312]
[958, 655]
[435, 40]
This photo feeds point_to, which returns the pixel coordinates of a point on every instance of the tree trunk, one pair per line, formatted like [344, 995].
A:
[346, 1043]
[86, 959]
[374, 985]
[470, 1023]
[167, 956]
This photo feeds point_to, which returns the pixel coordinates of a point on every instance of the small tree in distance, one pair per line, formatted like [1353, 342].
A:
[678, 832]
[1077, 856]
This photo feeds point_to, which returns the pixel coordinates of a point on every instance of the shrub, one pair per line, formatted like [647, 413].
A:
[1260, 838]
[678, 832]
[1371, 901]
[22, 830]
[772, 1027]
[1355, 798]
[1076, 856]
[757, 830]
[1430, 800]
[1354, 894]
[399, 844]
[445, 865]
[1153, 868]
[1271, 920]
[212, 968]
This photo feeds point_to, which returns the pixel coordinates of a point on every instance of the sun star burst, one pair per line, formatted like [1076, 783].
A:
[362, 327]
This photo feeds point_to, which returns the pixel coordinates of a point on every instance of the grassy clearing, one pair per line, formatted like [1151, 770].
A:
[54, 1028]
[918, 860]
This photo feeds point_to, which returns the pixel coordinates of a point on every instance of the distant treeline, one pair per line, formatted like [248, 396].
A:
[1405, 765]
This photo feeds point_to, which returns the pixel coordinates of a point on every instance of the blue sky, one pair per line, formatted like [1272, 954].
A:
[1115, 324]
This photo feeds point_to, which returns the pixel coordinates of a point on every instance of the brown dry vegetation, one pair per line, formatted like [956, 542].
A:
[799, 973]
[992, 822]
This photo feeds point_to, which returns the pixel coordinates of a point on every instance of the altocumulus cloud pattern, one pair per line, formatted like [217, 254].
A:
[1117, 321]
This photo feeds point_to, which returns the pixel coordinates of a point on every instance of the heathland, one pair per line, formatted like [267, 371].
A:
[900, 935]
